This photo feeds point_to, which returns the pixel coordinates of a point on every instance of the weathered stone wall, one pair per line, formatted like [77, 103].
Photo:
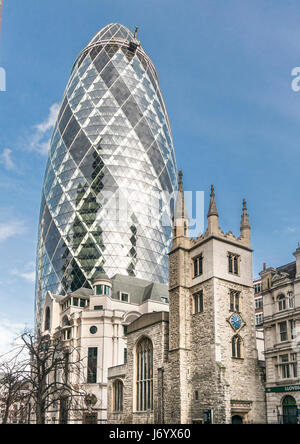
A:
[158, 334]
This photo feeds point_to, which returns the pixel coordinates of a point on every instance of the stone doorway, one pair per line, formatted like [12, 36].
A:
[236, 419]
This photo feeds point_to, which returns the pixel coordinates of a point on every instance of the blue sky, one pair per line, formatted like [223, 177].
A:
[225, 72]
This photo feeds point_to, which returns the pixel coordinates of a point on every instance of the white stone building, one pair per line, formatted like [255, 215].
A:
[281, 307]
[95, 322]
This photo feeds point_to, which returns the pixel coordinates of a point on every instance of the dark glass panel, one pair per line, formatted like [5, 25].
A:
[52, 240]
[101, 61]
[96, 51]
[71, 132]
[80, 147]
[145, 135]
[132, 111]
[109, 74]
[156, 158]
[65, 118]
[120, 91]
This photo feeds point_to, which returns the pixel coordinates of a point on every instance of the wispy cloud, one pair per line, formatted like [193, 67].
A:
[290, 230]
[9, 334]
[10, 229]
[6, 159]
[27, 276]
[40, 138]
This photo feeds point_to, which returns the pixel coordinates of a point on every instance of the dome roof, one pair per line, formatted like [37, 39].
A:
[100, 277]
[113, 31]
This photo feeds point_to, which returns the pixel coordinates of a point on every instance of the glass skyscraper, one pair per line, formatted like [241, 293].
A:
[110, 170]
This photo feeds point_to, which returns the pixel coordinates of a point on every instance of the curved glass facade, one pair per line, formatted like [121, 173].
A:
[111, 158]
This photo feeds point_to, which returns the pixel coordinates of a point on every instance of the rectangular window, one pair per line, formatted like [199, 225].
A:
[198, 302]
[125, 328]
[98, 307]
[293, 329]
[283, 331]
[82, 302]
[92, 365]
[259, 319]
[125, 355]
[285, 371]
[75, 302]
[257, 288]
[259, 303]
[124, 297]
[291, 299]
[99, 290]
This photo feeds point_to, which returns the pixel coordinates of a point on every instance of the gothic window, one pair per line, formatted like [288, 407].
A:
[236, 344]
[198, 266]
[233, 263]
[230, 268]
[198, 302]
[234, 301]
[47, 319]
[118, 396]
[144, 375]
[281, 302]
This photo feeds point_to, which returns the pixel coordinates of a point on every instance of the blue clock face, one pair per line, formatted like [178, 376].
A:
[236, 321]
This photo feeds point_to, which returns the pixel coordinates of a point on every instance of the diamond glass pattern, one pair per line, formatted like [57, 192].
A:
[111, 144]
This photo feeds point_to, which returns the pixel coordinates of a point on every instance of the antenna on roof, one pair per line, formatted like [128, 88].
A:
[134, 43]
[136, 31]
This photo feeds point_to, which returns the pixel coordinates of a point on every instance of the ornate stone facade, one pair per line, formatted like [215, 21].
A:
[205, 366]
[281, 302]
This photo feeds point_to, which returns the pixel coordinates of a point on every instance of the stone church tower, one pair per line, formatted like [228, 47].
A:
[213, 373]
[197, 364]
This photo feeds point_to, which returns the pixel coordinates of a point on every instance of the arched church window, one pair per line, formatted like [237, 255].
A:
[236, 344]
[144, 375]
[118, 396]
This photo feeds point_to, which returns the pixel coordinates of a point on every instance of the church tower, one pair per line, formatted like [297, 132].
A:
[213, 371]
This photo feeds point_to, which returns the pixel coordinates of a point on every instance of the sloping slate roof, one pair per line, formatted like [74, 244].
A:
[83, 292]
[140, 290]
[290, 269]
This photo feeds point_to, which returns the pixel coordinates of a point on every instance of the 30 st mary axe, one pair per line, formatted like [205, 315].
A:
[110, 167]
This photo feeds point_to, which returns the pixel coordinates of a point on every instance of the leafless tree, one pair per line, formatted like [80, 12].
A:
[12, 386]
[53, 376]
